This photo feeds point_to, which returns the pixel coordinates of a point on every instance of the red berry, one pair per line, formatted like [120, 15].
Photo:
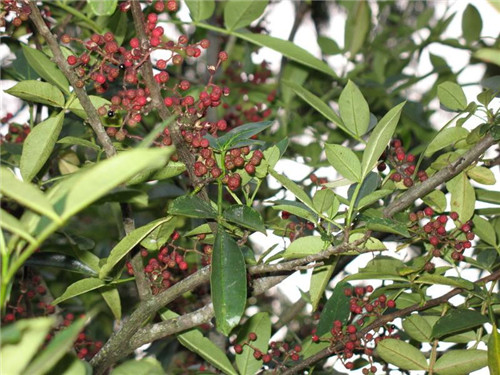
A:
[267, 358]
[453, 216]
[257, 354]
[238, 349]
[351, 328]
[223, 56]
[72, 60]
[252, 336]
[391, 303]
[428, 211]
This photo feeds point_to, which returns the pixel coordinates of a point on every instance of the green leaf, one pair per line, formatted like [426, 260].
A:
[160, 235]
[484, 230]
[461, 362]
[192, 206]
[324, 200]
[245, 216]
[452, 96]
[488, 196]
[471, 24]
[373, 197]
[318, 104]
[289, 50]
[77, 109]
[344, 161]
[26, 194]
[354, 109]
[240, 133]
[489, 55]
[328, 46]
[445, 138]
[145, 366]
[293, 188]
[482, 175]
[38, 92]
[458, 320]
[320, 278]
[238, 13]
[33, 333]
[304, 246]
[357, 26]
[39, 145]
[382, 264]
[200, 9]
[445, 280]
[112, 298]
[103, 7]
[194, 340]
[127, 243]
[369, 185]
[79, 142]
[401, 354]
[493, 350]
[61, 343]
[336, 308]
[371, 243]
[228, 282]
[419, 327]
[463, 198]
[94, 182]
[260, 324]
[46, 68]
[374, 220]
[66, 263]
[70, 364]
[295, 208]
[436, 199]
[379, 138]
[79, 287]
[14, 226]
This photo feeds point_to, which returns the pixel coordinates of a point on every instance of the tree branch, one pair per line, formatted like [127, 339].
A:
[445, 174]
[331, 350]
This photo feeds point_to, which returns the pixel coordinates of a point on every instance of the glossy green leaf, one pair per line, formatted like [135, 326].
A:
[241, 13]
[369, 185]
[38, 92]
[336, 308]
[328, 46]
[144, 366]
[318, 104]
[463, 197]
[293, 188]
[374, 220]
[488, 196]
[97, 101]
[373, 197]
[33, 333]
[260, 324]
[419, 327]
[436, 199]
[66, 263]
[57, 347]
[344, 161]
[14, 226]
[241, 133]
[382, 264]
[324, 200]
[484, 230]
[371, 243]
[445, 280]
[200, 9]
[39, 145]
[228, 282]
[482, 175]
[452, 96]
[192, 206]
[127, 243]
[245, 216]
[26, 194]
[103, 7]
[379, 138]
[489, 55]
[79, 287]
[48, 70]
[304, 246]
[401, 354]
[79, 142]
[387, 275]
[357, 26]
[320, 278]
[194, 340]
[458, 320]
[354, 109]
[471, 24]
[493, 350]
[295, 208]
[160, 235]
[112, 298]
[461, 362]
[94, 182]
[445, 138]
[289, 50]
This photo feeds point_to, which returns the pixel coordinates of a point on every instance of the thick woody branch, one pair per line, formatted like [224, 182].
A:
[445, 174]
[332, 350]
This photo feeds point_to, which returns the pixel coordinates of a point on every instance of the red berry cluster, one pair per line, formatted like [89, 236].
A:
[21, 13]
[17, 133]
[279, 352]
[442, 240]
[297, 229]
[238, 158]
[158, 5]
[402, 163]
[362, 307]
